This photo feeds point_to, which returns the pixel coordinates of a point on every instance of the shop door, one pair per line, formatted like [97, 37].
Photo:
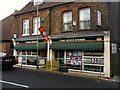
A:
[59, 55]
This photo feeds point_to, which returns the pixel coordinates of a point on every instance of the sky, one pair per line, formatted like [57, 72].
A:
[7, 7]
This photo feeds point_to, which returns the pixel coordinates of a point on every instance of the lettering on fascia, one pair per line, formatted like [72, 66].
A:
[68, 40]
[71, 40]
[83, 39]
[31, 42]
[61, 40]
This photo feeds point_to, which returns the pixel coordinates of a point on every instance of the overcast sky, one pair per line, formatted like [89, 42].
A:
[7, 7]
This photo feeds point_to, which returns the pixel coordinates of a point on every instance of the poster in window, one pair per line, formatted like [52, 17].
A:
[75, 53]
[74, 58]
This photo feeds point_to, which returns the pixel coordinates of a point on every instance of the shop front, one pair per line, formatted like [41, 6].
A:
[27, 53]
[84, 54]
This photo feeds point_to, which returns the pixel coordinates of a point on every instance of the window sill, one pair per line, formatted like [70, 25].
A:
[35, 34]
[84, 29]
[25, 34]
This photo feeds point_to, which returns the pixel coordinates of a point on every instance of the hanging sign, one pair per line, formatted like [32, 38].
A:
[98, 18]
[114, 48]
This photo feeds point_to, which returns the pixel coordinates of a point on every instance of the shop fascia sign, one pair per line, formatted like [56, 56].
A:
[71, 40]
[80, 39]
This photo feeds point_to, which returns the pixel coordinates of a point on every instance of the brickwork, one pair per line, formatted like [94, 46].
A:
[5, 47]
[42, 14]
[113, 27]
[56, 17]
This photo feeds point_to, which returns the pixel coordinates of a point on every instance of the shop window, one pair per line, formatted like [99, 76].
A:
[74, 58]
[93, 53]
[93, 68]
[84, 18]
[67, 21]
[93, 61]
[34, 52]
[36, 25]
[23, 52]
[28, 52]
[24, 58]
[25, 27]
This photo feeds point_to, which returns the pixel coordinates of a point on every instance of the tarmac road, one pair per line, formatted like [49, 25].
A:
[29, 78]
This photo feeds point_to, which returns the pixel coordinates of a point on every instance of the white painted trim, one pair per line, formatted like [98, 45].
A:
[25, 34]
[65, 56]
[36, 34]
[107, 55]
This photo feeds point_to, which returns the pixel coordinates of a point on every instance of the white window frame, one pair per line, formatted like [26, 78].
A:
[35, 27]
[67, 20]
[84, 18]
[25, 27]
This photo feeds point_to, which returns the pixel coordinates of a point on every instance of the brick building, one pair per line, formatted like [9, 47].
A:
[6, 33]
[83, 34]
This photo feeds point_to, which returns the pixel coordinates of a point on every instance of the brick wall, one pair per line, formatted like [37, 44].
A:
[5, 47]
[42, 14]
[56, 16]
[113, 27]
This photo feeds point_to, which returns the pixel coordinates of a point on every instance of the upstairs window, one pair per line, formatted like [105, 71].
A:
[67, 21]
[84, 18]
[25, 27]
[35, 25]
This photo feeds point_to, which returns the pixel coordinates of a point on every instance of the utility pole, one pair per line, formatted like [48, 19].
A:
[37, 37]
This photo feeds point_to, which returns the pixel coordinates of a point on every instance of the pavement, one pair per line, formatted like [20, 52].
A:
[76, 74]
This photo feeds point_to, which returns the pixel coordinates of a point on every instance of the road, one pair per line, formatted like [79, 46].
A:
[29, 78]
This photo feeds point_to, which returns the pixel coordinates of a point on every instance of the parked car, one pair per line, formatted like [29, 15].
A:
[7, 61]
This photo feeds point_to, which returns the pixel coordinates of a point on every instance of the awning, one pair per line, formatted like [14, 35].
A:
[29, 46]
[78, 45]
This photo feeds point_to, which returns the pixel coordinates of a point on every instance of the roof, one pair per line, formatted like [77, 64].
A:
[8, 27]
[30, 7]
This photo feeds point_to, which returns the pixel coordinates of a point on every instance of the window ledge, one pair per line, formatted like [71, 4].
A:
[25, 34]
[84, 29]
[36, 34]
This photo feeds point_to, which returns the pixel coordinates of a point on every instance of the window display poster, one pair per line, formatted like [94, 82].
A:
[74, 58]
[75, 53]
